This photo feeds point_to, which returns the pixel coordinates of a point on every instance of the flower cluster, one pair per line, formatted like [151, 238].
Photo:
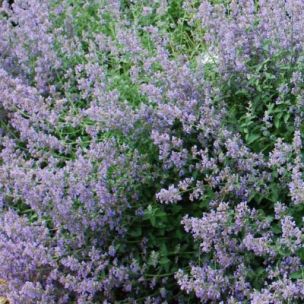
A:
[233, 240]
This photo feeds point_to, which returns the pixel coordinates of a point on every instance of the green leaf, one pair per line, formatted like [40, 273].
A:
[163, 249]
[286, 117]
[179, 235]
[275, 192]
[277, 120]
[252, 138]
[297, 275]
[276, 229]
[136, 232]
[165, 263]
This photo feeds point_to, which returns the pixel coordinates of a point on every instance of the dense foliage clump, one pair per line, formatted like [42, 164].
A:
[151, 151]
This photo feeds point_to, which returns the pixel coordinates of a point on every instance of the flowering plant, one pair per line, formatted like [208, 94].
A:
[151, 151]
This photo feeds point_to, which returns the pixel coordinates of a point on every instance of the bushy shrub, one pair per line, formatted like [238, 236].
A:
[151, 151]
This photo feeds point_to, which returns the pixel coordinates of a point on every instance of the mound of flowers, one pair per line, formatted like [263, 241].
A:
[151, 151]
